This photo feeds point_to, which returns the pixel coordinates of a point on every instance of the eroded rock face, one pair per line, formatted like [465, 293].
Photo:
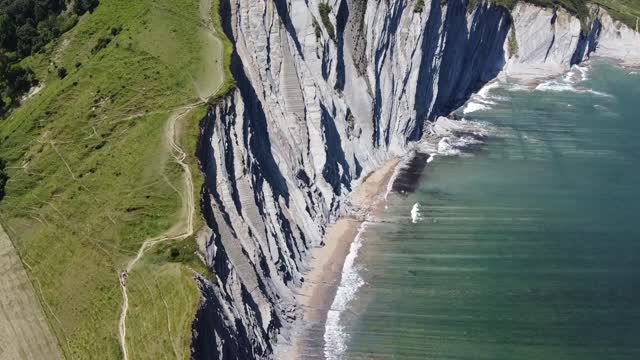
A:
[311, 116]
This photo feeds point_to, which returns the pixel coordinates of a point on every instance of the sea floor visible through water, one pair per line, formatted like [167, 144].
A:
[526, 248]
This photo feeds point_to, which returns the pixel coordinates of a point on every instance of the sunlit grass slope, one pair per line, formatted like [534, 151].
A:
[91, 176]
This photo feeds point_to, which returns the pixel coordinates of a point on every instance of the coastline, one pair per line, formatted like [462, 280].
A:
[322, 281]
[317, 297]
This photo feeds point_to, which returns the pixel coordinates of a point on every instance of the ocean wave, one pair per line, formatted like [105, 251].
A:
[484, 92]
[335, 336]
[473, 107]
[392, 179]
[517, 87]
[451, 146]
[415, 213]
[577, 74]
[584, 72]
[564, 86]
[483, 99]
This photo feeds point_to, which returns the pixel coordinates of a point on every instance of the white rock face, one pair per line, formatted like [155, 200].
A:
[312, 116]
[616, 40]
[546, 39]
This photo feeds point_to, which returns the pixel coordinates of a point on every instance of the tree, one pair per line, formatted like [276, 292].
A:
[3, 179]
[62, 73]
[7, 32]
[26, 35]
[82, 6]
[26, 27]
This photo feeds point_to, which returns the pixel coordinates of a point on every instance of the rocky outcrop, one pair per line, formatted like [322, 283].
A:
[311, 116]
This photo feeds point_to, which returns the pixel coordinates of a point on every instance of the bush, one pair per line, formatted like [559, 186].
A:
[102, 43]
[15, 81]
[325, 10]
[3, 179]
[62, 73]
[116, 30]
[513, 43]
[82, 6]
[419, 6]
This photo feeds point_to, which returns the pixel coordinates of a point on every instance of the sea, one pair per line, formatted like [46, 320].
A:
[526, 247]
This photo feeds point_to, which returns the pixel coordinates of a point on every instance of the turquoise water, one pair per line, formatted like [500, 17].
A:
[528, 249]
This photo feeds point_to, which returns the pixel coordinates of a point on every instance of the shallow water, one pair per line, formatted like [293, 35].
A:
[528, 249]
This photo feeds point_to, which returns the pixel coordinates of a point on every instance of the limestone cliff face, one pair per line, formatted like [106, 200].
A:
[311, 116]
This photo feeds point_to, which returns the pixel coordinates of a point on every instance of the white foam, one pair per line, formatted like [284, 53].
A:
[335, 336]
[484, 92]
[633, 73]
[483, 98]
[392, 180]
[566, 84]
[563, 86]
[584, 72]
[474, 106]
[517, 87]
[431, 158]
[445, 147]
[415, 213]
[555, 85]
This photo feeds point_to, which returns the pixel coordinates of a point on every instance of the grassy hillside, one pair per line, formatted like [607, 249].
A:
[91, 177]
[627, 11]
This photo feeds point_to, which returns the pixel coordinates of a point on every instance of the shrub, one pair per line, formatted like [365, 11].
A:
[325, 10]
[82, 6]
[116, 30]
[102, 43]
[513, 43]
[62, 72]
[3, 179]
[419, 6]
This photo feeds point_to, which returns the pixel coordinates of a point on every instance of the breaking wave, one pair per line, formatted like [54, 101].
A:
[415, 213]
[576, 75]
[483, 99]
[473, 106]
[335, 336]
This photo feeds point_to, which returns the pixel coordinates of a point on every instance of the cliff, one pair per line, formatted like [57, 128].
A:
[312, 115]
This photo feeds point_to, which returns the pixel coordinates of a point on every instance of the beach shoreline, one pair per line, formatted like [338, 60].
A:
[316, 296]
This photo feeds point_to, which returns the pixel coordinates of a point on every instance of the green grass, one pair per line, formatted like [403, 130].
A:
[626, 11]
[513, 43]
[229, 82]
[98, 177]
[325, 9]
[162, 309]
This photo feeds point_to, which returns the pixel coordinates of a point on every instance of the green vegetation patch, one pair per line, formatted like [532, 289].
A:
[229, 83]
[513, 43]
[90, 176]
[3, 178]
[161, 302]
[26, 27]
[325, 10]
[626, 11]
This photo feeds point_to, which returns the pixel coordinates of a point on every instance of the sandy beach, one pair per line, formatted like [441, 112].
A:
[322, 281]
